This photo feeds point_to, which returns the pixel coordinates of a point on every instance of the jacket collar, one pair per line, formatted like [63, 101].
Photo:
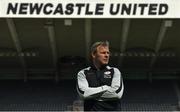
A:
[101, 68]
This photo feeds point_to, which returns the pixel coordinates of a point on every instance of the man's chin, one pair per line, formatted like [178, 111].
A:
[105, 63]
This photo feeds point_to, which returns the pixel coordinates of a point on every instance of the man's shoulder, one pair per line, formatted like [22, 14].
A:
[109, 67]
[115, 69]
[84, 69]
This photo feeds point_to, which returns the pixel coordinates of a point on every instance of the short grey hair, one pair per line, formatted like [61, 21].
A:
[96, 44]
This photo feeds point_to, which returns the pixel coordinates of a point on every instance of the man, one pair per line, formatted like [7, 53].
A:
[100, 85]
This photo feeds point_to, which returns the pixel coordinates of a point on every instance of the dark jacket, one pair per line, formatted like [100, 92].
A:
[101, 89]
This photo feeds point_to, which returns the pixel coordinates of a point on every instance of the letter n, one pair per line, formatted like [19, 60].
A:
[12, 8]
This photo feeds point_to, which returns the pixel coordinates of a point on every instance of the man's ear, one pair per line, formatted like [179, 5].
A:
[93, 55]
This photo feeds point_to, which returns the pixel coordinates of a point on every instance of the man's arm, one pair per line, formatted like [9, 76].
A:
[88, 92]
[117, 87]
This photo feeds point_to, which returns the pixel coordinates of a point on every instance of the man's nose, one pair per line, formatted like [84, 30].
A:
[107, 55]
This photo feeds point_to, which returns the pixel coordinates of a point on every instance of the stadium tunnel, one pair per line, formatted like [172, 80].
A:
[40, 58]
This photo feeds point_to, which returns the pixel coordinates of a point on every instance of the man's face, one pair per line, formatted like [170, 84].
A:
[102, 55]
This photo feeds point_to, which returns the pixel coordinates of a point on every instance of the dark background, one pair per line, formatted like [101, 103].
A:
[39, 60]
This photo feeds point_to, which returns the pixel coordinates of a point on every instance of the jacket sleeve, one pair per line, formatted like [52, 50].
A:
[85, 91]
[117, 87]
